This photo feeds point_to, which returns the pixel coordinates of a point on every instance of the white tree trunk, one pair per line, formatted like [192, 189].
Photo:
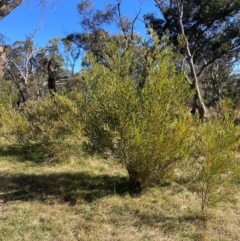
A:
[3, 62]
[200, 105]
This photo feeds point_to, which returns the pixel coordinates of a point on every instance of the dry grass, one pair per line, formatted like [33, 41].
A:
[89, 199]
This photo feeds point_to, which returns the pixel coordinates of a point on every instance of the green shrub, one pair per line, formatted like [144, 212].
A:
[14, 125]
[55, 125]
[51, 124]
[144, 128]
[214, 150]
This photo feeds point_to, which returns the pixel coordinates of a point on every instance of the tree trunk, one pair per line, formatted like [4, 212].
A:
[3, 62]
[7, 6]
[198, 103]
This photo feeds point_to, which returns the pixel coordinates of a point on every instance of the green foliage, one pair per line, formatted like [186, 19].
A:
[13, 124]
[213, 38]
[145, 129]
[6, 94]
[214, 150]
[53, 124]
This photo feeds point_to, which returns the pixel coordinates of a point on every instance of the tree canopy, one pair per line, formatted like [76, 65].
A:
[211, 27]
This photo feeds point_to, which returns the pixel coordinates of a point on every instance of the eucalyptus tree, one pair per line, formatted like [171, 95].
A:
[96, 37]
[211, 29]
[95, 23]
[27, 67]
[24, 65]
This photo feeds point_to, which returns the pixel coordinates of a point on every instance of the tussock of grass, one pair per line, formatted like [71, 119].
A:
[89, 199]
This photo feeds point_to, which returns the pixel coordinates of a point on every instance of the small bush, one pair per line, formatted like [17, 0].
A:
[53, 124]
[13, 124]
[214, 151]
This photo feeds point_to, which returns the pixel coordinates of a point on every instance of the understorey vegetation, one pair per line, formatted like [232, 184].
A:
[151, 122]
[148, 130]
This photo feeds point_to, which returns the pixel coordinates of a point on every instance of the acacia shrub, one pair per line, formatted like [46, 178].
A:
[214, 149]
[13, 124]
[144, 129]
[55, 126]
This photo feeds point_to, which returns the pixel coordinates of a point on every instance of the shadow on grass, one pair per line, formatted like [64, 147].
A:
[63, 187]
[22, 153]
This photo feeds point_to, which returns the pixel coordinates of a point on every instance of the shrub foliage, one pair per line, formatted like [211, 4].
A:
[131, 105]
[214, 151]
[144, 128]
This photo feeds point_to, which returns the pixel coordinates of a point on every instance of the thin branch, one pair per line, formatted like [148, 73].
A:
[20, 71]
[135, 19]
[17, 84]
[120, 18]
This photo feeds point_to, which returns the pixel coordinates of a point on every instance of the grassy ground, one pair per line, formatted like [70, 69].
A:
[89, 199]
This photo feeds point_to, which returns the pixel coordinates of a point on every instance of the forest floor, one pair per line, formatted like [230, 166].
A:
[88, 198]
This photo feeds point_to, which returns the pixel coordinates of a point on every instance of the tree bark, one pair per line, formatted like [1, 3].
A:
[8, 6]
[3, 61]
[198, 103]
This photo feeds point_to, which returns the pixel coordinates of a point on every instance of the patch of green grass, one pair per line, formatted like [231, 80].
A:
[22, 153]
[89, 199]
